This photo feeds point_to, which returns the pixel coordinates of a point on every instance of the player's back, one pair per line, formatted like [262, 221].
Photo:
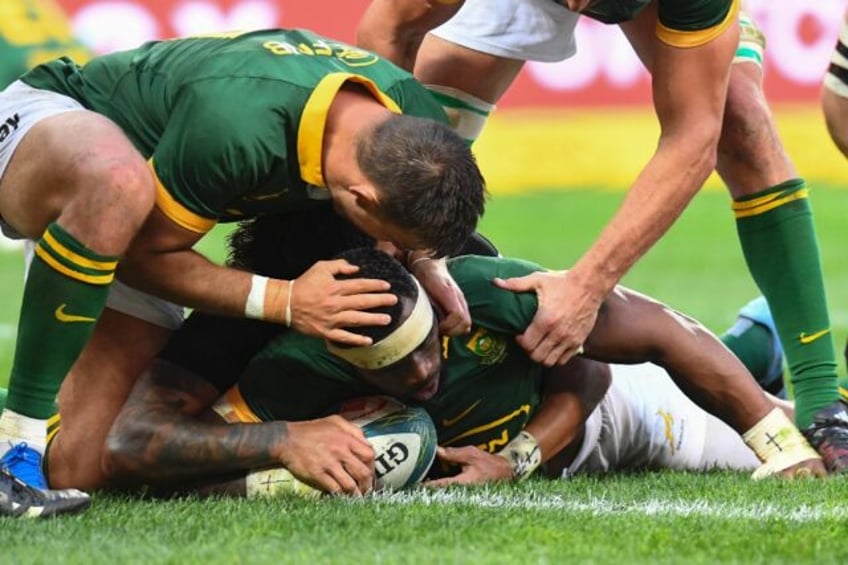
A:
[246, 75]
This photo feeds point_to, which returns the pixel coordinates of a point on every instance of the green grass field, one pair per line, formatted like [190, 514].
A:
[653, 518]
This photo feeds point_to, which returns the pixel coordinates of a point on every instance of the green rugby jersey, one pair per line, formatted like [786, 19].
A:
[32, 32]
[489, 386]
[682, 23]
[233, 123]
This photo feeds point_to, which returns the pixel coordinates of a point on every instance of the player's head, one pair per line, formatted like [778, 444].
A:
[404, 359]
[286, 246]
[428, 181]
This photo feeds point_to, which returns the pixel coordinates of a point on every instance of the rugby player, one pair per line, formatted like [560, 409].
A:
[712, 114]
[481, 389]
[138, 154]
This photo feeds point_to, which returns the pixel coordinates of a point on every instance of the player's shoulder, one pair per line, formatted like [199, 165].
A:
[473, 269]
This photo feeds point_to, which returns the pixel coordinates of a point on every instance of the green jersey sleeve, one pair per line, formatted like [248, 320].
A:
[494, 308]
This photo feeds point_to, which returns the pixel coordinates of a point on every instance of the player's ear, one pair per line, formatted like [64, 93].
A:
[366, 195]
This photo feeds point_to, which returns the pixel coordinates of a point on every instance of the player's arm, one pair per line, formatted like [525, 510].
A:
[394, 29]
[632, 328]
[163, 437]
[689, 90]
[570, 394]
[161, 261]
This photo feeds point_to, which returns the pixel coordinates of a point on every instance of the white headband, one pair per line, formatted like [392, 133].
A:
[404, 340]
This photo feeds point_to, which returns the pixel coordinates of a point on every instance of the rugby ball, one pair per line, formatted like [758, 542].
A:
[403, 438]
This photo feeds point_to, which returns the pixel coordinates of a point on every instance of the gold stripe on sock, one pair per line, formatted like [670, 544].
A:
[76, 258]
[76, 275]
[768, 202]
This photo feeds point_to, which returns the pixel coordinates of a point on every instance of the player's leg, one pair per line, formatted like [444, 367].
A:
[72, 182]
[776, 230]
[834, 96]
[119, 350]
[470, 61]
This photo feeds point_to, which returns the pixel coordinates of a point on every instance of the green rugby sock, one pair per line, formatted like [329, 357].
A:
[779, 242]
[64, 295]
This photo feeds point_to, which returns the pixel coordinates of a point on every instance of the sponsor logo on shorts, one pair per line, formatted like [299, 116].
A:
[9, 125]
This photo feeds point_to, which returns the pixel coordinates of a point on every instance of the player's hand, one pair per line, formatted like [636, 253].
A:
[321, 305]
[566, 314]
[477, 466]
[330, 454]
[434, 277]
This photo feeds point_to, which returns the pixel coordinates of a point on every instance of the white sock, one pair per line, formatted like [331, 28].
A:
[16, 428]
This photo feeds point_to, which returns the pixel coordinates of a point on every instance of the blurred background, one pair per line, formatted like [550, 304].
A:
[564, 143]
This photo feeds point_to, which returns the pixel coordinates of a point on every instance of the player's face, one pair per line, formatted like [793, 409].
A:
[416, 376]
[365, 219]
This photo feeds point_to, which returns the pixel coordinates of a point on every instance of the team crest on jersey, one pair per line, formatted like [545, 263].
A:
[490, 347]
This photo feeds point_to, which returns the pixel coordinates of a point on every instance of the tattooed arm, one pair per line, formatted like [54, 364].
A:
[162, 436]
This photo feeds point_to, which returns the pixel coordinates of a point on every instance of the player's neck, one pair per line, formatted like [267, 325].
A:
[352, 113]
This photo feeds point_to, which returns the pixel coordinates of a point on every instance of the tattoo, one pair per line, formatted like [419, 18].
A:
[163, 435]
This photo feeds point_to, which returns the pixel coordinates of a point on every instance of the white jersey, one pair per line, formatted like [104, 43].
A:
[528, 30]
[646, 422]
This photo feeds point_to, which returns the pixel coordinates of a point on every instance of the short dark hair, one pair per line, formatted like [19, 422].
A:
[375, 264]
[285, 246]
[428, 178]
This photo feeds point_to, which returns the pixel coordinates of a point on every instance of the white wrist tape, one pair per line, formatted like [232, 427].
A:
[288, 304]
[778, 444]
[523, 454]
[255, 305]
[273, 482]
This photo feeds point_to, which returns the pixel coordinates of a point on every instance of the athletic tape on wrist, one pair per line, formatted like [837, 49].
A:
[404, 340]
[778, 444]
[255, 305]
[288, 304]
[523, 454]
[272, 482]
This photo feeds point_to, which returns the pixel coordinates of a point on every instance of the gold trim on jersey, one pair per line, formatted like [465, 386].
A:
[175, 211]
[696, 38]
[233, 408]
[310, 134]
[768, 202]
[524, 408]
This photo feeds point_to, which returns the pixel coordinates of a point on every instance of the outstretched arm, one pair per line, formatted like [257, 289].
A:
[632, 328]
[394, 29]
[689, 90]
[160, 437]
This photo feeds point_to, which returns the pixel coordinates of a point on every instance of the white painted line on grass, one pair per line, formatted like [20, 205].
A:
[605, 507]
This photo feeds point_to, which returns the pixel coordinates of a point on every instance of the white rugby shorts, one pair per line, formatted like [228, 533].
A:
[530, 30]
[646, 422]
